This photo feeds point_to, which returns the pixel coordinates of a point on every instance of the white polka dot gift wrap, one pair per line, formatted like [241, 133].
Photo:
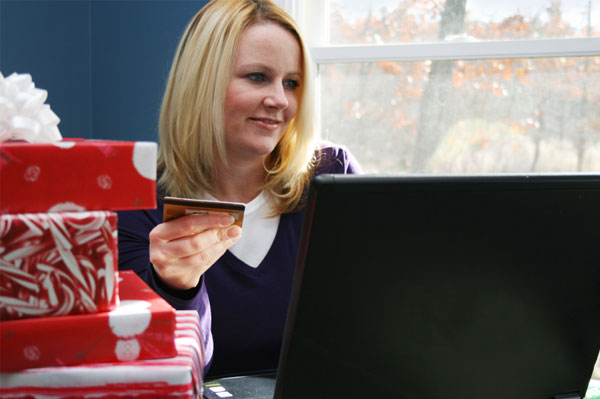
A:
[77, 175]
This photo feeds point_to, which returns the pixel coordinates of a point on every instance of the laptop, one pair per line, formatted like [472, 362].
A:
[444, 287]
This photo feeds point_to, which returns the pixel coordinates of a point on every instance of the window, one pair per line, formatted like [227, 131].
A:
[458, 86]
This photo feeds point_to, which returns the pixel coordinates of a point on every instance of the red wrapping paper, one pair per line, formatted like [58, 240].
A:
[55, 264]
[176, 377]
[77, 175]
[142, 326]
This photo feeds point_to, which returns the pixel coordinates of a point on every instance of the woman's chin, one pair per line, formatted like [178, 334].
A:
[262, 148]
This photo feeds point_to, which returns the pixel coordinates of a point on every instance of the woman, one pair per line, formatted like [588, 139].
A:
[237, 124]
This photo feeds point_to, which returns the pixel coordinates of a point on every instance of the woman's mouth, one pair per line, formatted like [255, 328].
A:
[267, 122]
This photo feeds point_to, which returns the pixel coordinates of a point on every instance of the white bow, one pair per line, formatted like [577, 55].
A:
[23, 114]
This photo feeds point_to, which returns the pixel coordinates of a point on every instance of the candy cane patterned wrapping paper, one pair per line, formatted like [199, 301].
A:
[176, 377]
[54, 264]
[75, 174]
[142, 326]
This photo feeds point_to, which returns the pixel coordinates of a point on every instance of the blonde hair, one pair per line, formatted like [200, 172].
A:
[191, 125]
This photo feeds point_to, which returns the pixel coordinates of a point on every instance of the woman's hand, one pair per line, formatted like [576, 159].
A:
[182, 249]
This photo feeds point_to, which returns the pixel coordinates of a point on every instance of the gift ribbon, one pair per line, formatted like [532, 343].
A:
[23, 114]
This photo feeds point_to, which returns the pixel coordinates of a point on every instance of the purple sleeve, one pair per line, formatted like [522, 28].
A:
[134, 244]
[337, 159]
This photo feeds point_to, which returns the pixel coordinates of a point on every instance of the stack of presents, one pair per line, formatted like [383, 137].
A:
[71, 324]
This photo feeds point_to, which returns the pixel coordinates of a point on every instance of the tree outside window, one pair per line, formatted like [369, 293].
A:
[464, 115]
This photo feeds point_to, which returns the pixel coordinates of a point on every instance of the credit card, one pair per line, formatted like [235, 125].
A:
[175, 207]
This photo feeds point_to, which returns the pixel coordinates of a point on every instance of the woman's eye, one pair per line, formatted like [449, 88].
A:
[291, 84]
[257, 77]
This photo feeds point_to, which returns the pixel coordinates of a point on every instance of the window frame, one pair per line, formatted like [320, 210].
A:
[477, 50]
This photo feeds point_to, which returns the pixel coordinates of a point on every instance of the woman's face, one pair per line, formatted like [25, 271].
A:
[262, 93]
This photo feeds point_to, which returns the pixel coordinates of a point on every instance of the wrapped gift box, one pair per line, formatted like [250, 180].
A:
[77, 175]
[176, 377]
[142, 326]
[57, 263]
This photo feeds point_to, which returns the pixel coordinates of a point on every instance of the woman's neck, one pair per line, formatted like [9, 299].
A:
[239, 181]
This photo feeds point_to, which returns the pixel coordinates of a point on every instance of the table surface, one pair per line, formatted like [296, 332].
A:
[254, 387]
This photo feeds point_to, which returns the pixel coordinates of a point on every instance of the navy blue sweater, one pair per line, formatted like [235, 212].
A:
[242, 309]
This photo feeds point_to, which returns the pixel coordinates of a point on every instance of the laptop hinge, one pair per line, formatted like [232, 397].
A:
[572, 395]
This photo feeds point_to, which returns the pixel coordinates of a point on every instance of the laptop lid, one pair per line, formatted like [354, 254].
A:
[445, 287]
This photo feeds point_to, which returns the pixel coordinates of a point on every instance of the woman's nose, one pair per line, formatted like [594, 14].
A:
[276, 97]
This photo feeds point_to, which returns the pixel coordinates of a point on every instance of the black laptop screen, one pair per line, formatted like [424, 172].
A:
[445, 287]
